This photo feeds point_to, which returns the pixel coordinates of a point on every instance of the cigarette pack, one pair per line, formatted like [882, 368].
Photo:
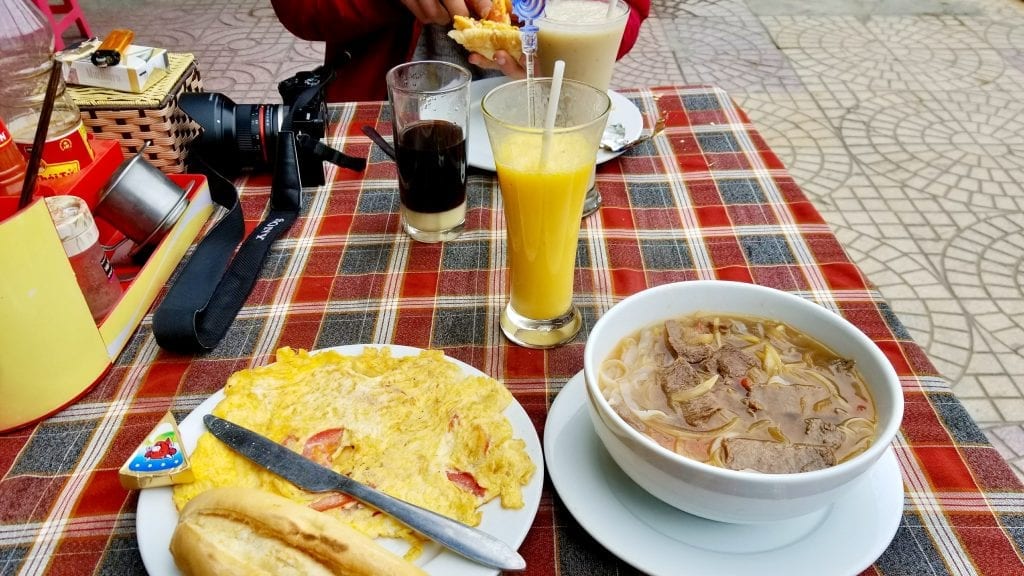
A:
[140, 66]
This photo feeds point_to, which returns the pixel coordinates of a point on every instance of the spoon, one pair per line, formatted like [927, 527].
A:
[379, 141]
[614, 143]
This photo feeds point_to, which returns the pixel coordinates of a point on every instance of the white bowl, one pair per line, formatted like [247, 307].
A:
[719, 493]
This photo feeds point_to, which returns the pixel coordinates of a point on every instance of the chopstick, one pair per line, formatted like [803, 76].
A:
[36, 155]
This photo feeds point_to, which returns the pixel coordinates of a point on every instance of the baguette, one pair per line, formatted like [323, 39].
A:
[245, 531]
[486, 36]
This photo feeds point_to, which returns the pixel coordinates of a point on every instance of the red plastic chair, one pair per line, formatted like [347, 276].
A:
[61, 17]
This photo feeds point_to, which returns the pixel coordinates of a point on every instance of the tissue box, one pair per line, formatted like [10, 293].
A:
[140, 66]
[152, 116]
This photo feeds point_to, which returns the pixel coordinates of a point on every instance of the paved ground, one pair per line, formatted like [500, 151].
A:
[901, 119]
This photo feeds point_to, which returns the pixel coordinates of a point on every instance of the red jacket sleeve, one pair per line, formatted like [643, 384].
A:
[638, 12]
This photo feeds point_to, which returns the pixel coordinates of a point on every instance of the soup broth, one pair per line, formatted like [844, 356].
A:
[743, 393]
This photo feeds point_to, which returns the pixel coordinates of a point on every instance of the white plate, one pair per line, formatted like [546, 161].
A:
[623, 112]
[661, 540]
[156, 516]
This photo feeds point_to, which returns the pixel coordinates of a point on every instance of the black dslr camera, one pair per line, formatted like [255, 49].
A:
[244, 136]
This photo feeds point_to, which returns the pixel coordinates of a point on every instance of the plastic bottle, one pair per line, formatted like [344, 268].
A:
[26, 57]
[12, 164]
[81, 239]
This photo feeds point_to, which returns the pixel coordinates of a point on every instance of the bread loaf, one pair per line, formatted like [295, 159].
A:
[245, 531]
[486, 36]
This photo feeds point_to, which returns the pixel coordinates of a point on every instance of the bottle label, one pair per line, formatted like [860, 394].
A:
[5, 136]
[64, 155]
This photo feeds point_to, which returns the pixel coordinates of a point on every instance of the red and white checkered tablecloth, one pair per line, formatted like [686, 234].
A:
[707, 199]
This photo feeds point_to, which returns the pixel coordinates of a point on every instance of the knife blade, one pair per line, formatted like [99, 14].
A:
[474, 544]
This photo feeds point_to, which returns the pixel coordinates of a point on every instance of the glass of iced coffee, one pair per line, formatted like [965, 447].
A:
[430, 121]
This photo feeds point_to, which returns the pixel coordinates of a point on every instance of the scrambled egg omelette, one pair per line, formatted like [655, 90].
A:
[414, 427]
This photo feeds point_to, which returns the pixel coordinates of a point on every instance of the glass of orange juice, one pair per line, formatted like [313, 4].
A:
[543, 176]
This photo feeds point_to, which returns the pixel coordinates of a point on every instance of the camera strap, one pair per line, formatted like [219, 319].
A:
[204, 300]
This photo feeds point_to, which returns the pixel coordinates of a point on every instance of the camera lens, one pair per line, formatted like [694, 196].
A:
[234, 136]
[257, 127]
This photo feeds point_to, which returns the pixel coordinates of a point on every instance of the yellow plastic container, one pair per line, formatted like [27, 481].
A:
[51, 350]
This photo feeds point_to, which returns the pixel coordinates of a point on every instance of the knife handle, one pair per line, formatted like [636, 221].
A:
[469, 542]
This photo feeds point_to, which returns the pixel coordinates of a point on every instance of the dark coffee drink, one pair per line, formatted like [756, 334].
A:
[431, 166]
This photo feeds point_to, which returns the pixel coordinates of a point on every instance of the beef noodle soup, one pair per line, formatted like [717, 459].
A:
[743, 393]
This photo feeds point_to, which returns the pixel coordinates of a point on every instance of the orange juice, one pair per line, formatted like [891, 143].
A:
[543, 204]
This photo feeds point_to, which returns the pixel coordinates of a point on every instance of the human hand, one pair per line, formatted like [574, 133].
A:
[439, 11]
[502, 61]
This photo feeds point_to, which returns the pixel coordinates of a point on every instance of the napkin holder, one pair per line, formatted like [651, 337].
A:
[51, 350]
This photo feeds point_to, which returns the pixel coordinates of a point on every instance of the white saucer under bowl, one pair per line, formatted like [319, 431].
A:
[624, 113]
[661, 540]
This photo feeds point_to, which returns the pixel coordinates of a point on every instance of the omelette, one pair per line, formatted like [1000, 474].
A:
[414, 427]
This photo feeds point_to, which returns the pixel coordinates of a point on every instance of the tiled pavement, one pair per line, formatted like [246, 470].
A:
[901, 119]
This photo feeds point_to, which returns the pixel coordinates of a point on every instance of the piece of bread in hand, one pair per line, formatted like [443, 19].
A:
[501, 11]
[486, 37]
[244, 531]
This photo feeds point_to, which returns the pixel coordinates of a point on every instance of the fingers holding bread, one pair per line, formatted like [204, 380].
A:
[500, 11]
[502, 62]
[243, 531]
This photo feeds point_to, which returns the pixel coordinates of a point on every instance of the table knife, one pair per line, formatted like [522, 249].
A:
[308, 475]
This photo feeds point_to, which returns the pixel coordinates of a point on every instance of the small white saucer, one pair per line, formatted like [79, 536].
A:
[650, 535]
[624, 112]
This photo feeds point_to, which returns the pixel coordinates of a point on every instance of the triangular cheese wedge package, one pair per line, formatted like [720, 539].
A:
[160, 459]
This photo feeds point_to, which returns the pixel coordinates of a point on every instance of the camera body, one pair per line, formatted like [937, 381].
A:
[238, 137]
[309, 117]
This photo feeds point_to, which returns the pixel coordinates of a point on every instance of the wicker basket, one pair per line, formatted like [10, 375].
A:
[153, 115]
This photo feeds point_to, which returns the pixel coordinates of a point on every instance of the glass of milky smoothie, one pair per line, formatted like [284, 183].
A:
[585, 34]
[543, 178]
[430, 119]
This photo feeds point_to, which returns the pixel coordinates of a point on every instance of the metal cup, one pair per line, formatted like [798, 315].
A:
[141, 202]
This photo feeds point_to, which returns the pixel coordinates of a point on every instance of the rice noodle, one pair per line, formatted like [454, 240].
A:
[772, 362]
[860, 447]
[857, 425]
[690, 433]
[750, 338]
[758, 424]
[828, 384]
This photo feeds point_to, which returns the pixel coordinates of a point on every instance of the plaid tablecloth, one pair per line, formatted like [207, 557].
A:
[708, 199]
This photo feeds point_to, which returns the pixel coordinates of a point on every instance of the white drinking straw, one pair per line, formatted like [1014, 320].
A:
[552, 111]
[611, 8]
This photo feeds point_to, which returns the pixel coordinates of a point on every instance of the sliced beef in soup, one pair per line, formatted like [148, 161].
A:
[679, 380]
[692, 353]
[775, 457]
[733, 363]
[824, 433]
[786, 402]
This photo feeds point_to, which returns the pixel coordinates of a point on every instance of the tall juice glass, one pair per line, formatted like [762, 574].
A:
[586, 36]
[543, 178]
